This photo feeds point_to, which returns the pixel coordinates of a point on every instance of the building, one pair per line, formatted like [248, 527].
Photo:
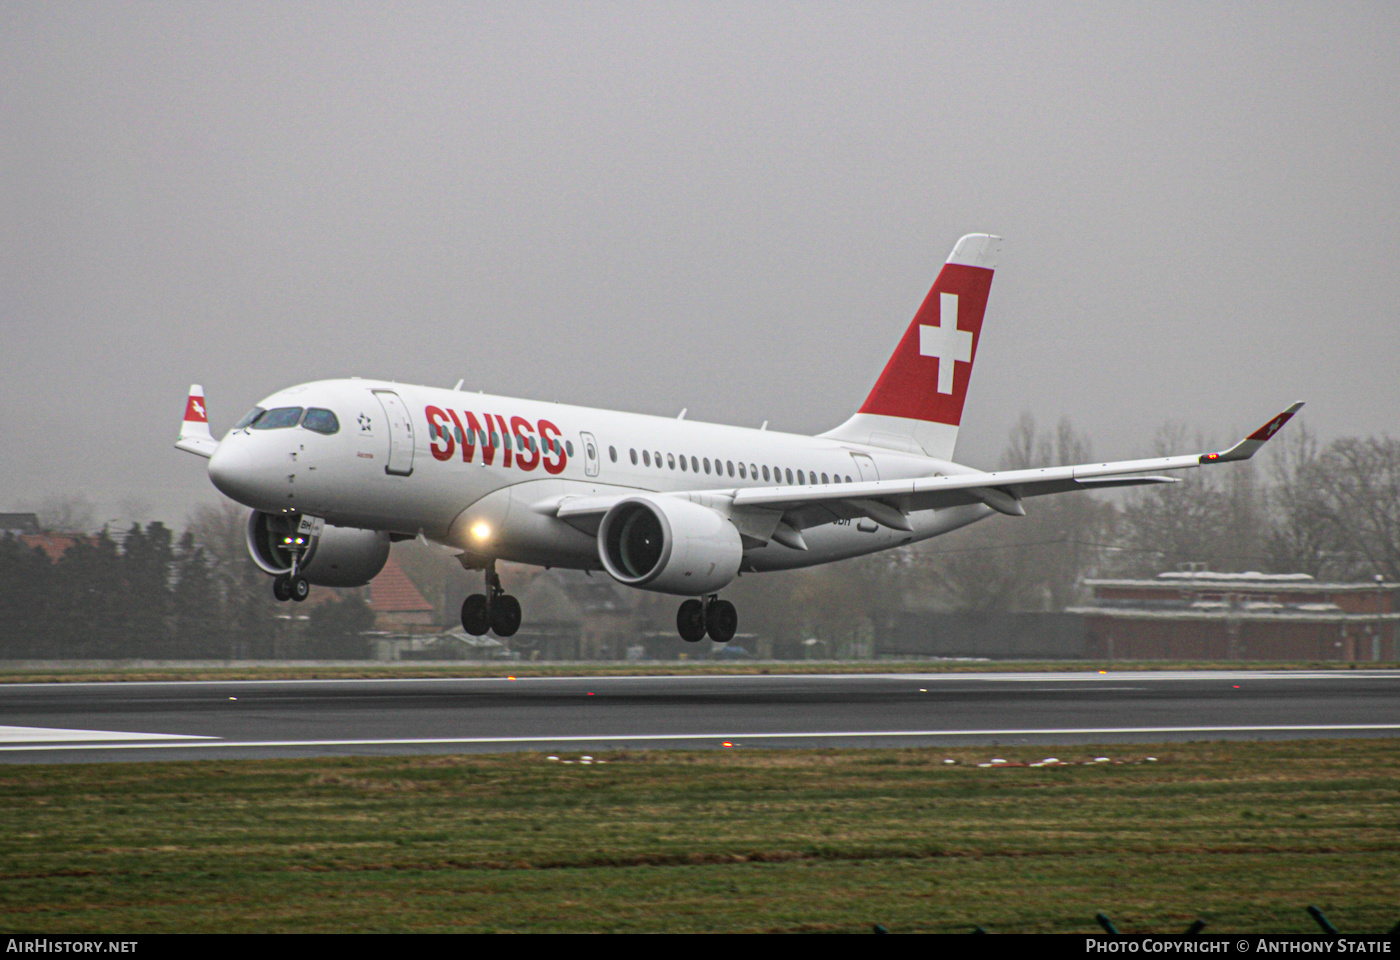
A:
[1204, 615]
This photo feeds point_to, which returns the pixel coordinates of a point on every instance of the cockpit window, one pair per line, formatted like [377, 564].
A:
[322, 421]
[253, 414]
[277, 418]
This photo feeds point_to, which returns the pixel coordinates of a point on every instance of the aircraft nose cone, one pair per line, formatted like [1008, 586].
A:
[232, 471]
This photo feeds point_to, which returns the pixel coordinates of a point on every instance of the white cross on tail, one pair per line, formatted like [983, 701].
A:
[946, 341]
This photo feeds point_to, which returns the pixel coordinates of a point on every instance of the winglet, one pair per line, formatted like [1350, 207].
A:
[194, 431]
[1247, 447]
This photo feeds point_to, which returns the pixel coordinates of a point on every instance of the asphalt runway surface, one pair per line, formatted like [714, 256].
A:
[104, 722]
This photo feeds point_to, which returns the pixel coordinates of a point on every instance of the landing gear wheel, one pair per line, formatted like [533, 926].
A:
[721, 620]
[476, 618]
[301, 589]
[282, 587]
[505, 615]
[690, 621]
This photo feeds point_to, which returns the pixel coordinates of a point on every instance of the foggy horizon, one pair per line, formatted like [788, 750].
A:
[729, 209]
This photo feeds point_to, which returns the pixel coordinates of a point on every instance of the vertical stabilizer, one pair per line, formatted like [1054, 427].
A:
[917, 403]
[194, 430]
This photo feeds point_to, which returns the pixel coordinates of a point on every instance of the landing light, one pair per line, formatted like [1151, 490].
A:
[481, 531]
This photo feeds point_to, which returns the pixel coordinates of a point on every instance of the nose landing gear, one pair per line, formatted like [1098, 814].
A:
[291, 586]
[712, 616]
[494, 610]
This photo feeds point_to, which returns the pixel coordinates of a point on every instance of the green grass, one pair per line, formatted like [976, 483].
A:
[330, 671]
[1244, 835]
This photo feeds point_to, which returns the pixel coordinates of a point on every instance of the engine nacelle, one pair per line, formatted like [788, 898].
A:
[336, 557]
[669, 545]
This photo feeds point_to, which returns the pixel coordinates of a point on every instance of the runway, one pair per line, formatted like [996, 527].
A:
[104, 722]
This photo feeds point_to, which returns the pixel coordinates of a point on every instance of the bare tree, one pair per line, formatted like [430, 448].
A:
[1359, 478]
[1215, 515]
[1302, 537]
[68, 513]
[1030, 563]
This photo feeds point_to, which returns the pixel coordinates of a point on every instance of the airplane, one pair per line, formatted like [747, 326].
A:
[336, 470]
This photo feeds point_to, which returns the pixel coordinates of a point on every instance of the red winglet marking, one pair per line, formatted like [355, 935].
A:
[1272, 427]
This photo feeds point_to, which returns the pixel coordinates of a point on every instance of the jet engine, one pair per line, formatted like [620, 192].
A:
[335, 557]
[669, 545]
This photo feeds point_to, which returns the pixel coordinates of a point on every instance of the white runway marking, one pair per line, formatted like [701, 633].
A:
[1029, 677]
[48, 735]
[678, 737]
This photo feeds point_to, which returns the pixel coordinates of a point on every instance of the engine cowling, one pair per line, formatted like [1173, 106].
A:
[669, 545]
[336, 557]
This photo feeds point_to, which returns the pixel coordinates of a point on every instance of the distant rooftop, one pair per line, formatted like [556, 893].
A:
[1252, 576]
[393, 592]
[19, 523]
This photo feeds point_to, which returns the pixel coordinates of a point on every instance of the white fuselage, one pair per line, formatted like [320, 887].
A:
[414, 469]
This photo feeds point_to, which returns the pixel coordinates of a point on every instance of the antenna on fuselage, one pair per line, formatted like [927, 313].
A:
[459, 383]
[681, 415]
[765, 425]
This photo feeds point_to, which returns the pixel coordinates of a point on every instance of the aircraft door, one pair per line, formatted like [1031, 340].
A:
[590, 454]
[400, 433]
[866, 466]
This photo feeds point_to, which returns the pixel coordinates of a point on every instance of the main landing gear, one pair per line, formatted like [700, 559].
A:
[494, 610]
[712, 616]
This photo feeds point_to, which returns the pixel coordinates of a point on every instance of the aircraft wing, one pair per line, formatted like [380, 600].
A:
[889, 502]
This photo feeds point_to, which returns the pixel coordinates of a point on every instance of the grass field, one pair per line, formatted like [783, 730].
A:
[664, 668]
[1244, 835]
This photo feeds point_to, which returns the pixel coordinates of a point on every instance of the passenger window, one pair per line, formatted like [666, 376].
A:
[707, 464]
[612, 454]
[278, 418]
[753, 471]
[569, 447]
[646, 458]
[682, 464]
[765, 471]
[670, 460]
[789, 475]
[633, 453]
[742, 475]
[812, 477]
[694, 465]
[729, 464]
[248, 420]
[848, 478]
[799, 477]
[824, 479]
[657, 455]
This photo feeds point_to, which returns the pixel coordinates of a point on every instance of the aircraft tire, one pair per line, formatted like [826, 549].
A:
[476, 615]
[690, 621]
[282, 587]
[721, 621]
[301, 589]
[505, 616]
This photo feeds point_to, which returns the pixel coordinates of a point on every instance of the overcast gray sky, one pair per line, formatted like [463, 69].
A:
[733, 208]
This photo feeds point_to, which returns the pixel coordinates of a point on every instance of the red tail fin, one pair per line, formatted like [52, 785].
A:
[925, 381]
[927, 377]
